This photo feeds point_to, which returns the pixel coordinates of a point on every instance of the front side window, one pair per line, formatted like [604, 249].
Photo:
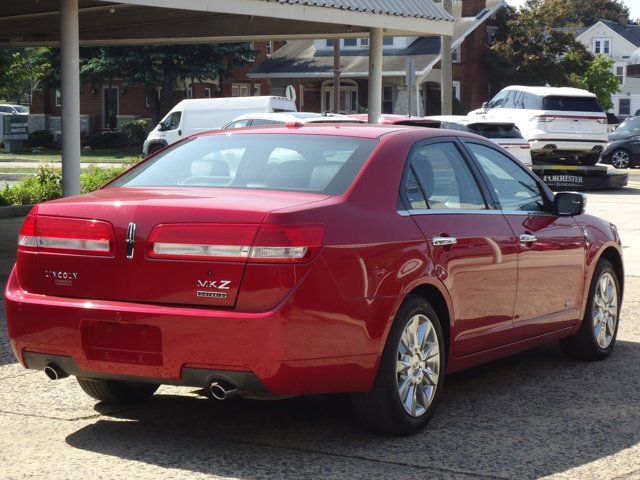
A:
[512, 185]
[300, 163]
[445, 178]
[499, 100]
[171, 121]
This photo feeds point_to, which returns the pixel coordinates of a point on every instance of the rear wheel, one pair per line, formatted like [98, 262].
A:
[411, 373]
[117, 391]
[597, 335]
[620, 158]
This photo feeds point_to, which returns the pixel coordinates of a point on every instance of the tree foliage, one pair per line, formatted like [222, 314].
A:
[160, 68]
[599, 79]
[577, 13]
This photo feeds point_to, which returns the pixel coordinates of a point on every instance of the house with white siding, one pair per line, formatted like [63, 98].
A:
[617, 40]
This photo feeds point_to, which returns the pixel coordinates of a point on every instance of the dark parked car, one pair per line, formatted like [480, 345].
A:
[623, 149]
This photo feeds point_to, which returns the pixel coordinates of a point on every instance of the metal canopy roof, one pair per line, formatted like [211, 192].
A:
[36, 22]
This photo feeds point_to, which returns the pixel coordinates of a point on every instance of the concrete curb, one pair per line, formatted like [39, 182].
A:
[15, 211]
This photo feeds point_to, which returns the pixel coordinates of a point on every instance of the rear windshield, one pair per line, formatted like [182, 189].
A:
[572, 104]
[495, 130]
[631, 124]
[300, 163]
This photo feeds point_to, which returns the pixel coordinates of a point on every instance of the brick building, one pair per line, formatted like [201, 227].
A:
[109, 106]
[308, 65]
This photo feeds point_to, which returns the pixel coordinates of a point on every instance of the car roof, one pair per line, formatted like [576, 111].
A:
[372, 131]
[552, 91]
[462, 120]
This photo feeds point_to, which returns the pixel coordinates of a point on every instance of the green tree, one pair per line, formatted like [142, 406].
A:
[527, 51]
[599, 79]
[579, 13]
[160, 68]
[18, 71]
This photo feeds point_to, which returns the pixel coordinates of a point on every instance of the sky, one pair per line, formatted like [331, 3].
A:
[634, 6]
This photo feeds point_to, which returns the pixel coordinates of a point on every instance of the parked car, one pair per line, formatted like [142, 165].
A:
[623, 149]
[505, 134]
[559, 123]
[199, 115]
[378, 261]
[8, 109]
[302, 118]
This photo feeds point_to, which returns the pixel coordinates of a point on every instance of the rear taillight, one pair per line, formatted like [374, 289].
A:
[236, 242]
[66, 235]
[542, 118]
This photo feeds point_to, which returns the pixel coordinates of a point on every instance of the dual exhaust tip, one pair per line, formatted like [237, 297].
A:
[219, 389]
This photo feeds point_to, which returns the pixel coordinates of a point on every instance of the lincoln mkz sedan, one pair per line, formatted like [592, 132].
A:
[288, 260]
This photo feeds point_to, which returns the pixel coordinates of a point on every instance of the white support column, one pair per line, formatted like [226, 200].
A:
[70, 72]
[375, 75]
[446, 66]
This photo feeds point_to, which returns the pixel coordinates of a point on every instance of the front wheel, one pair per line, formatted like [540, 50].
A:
[597, 335]
[411, 373]
[117, 391]
[620, 158]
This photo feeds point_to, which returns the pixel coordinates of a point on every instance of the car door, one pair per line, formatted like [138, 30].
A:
[472, 249]
[551, 254]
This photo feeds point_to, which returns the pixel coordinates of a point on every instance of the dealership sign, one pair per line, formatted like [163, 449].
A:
[14, 128]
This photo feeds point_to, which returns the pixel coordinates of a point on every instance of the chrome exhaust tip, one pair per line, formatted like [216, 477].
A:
[54, 372]
[221, 390]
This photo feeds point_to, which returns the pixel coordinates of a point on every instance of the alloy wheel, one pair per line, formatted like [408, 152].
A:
[605, 310]
[418, 365]
[620, 159]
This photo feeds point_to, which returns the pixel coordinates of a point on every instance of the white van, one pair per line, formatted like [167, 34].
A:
[558, 122]
[199, 115]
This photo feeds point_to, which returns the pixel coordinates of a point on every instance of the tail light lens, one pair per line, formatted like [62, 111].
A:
[236, 242]
[66, 235]
[542, 118]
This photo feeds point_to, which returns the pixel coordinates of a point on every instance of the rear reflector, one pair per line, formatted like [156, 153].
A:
[66, 235]
[236, 242]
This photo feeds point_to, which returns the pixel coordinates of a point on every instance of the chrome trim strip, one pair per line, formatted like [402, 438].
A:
[408, 213]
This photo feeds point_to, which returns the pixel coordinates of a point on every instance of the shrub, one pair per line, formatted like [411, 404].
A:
[45, 184]
[108, 140]
[136, 130]
[39, 138]
[95, 177]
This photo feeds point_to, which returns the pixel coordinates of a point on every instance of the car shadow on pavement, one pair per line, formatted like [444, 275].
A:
[527, 416]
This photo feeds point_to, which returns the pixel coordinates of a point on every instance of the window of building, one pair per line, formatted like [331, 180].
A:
[269, 48]
[387, 99]
[257, 89]
[350, 42]
[455, 55]
[602, 45]
[624, 106]
[190, 92]
[388, 41]
[620, 74]
[456, 90]
[207, 92]
[330, 42]
[491, 34]
[58, 98]
[147, 102]
[240, 90]
[364, 42]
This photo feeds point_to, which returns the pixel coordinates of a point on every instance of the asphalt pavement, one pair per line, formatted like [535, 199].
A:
[533, 415]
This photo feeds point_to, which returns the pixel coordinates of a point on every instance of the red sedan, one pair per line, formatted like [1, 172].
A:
[297, 260]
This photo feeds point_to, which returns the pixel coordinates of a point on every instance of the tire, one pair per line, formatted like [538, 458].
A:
[117, 391]
[381, 409]
[620, 158]
[590, 160]
[597, 335]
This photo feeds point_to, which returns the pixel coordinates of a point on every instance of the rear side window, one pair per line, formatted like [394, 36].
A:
[301, 163]
[444, 177]
[571, 104]
[495, 130]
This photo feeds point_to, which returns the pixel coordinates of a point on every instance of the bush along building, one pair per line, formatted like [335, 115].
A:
[308, 66]
[617, 40]
[109, 106]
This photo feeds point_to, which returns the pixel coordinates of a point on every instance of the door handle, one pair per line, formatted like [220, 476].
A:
[179, 132]
[527, 238]
[443, 241]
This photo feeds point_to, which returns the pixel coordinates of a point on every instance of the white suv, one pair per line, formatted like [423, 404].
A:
[559, 123]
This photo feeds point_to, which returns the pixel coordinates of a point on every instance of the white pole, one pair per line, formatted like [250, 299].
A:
[375, 75]
[70, 72]
[446, 66]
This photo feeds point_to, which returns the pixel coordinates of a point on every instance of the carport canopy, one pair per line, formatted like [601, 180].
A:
[71, 23]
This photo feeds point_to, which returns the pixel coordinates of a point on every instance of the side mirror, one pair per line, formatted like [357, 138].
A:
[568, 204]
[485, 105]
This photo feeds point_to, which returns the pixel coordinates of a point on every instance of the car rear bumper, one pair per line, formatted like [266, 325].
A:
[582, 145]
[181, 345]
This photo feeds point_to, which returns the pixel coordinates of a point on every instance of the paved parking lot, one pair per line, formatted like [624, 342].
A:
[533, 415]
